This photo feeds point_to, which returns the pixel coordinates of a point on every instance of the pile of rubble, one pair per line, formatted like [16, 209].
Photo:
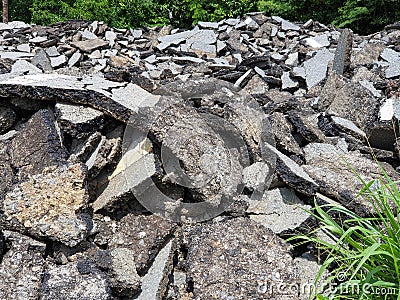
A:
[158, 163]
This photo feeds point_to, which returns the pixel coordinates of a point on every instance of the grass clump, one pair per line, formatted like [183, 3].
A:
[364, 257]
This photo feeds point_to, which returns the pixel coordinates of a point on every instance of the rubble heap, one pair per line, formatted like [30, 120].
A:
[114, 142]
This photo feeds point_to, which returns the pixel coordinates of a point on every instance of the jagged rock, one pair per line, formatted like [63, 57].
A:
[125, 280]
[307, 126]
[354, 102]
[253, 258]
[155, 281]
[348, 127]
[22, 267]
[279, 210]
[331, 168]
[287, 82]
[293, 174]
[282, 130]
[368, 54]
[332, 86]
[343, 51]
[24, 67]
[393, 58]
[58, 61]
[309, 266]
[135, 179]
[37, 145]
[42, 61]
[77, 118]
[382, 135]
[80, 280]
[90, 45]
[316, 67]
[143, 235]
[47, 205]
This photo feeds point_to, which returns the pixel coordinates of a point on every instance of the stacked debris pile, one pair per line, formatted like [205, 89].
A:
[161, 163]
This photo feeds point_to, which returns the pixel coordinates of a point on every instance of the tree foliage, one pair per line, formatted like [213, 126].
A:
[361, 16]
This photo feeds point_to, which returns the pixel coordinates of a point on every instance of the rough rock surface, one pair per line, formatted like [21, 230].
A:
[219, 252]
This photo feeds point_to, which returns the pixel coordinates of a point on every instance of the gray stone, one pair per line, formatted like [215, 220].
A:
[74, 59]
[15, 55]
[154, 285]
[208, 25]
[125, 280]
[314, 150]
[368, 54]
[21, 267]
[255, 176]
[42, 60]
[316, 67]
[110, 37]
[318, 41]
[6, 171]
[286, 25]
[58, 61]
[58, 86]
[256, 85]
[292, 60]
[72, 118]
[287, 82]
[393, 58]
[90, 45]
[187, 59]
[24, 67]
[279, 210]
[343, 52]
[52, 51]
[75, 281]
[282, 130]
[349, 127]
[238, 259]
[331, 88]
[331, 169]
[88, 35]
[354, 102]
[309, 267]
[38, 39]
[231, 22]
[370, 86]
[24, 48]
[243, 79]
[37, 145]
[139, 173]
[306, 125]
